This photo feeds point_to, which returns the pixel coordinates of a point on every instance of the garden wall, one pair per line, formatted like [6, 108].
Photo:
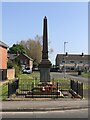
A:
[10, 73]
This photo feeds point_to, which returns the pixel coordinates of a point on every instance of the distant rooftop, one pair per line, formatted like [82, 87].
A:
[13, 56]
[73, 56]
[27, 56]
[3, 44]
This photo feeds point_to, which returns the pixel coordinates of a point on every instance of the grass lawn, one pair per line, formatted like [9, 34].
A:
[3, 92]
[86, 74]
[29, 76]
[86, 86]
[4, 89]
[26, 81]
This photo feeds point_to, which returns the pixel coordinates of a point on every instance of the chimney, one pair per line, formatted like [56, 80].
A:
[66, 53]
[82, 54]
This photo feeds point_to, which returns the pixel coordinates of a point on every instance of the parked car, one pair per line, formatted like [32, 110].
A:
[36, 69]
[27, 70]
[54, 69]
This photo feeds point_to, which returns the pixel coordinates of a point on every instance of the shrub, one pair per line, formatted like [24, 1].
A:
[10, 64]
[17, 70]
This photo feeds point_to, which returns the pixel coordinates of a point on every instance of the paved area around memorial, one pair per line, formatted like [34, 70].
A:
[44, 105]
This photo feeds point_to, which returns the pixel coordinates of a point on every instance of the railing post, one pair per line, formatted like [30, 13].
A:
[32, 88]
[71, 84]
[81, 90]
[77, 90]
[8, 90]
[57, 89]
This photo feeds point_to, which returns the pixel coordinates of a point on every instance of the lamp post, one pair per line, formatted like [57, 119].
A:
[65, 46]
[64, 58]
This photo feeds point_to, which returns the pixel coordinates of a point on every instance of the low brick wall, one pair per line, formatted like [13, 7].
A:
[10, 73]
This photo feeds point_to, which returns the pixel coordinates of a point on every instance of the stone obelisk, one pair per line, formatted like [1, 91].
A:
[45, 63]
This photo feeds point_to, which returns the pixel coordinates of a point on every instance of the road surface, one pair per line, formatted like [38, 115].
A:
[79, 113]
[73, 76]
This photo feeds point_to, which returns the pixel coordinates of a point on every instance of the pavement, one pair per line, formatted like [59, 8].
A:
[44, 105]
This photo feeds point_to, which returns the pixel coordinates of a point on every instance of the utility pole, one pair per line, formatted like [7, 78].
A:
[64, 58]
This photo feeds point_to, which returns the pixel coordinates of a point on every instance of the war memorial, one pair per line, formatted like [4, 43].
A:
[46, 87]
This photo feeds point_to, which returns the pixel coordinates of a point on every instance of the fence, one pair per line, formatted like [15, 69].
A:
[12, 87]
[77, 87]
[34, 90]
[31, 88]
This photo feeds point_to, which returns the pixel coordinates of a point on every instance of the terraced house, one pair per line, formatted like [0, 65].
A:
[3, 61]
[73, 62]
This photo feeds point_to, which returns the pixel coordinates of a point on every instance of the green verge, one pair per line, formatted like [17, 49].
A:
[86, 86]
[26, 81]
[4, 92]
[85, 74]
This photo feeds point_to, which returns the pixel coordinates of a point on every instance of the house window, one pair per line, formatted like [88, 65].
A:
[72, 68]
[63, 61]
[21, 61]
[71, 61]
[25, 62]
[81, 62]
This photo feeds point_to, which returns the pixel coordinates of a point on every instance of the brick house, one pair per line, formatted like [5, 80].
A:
[25, 60]
[3, 61]
[73, 62]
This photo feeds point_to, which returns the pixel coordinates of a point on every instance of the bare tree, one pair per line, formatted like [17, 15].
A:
[33, 48]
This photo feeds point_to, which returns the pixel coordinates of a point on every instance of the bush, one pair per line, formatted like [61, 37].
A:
[10, 64]
[17, 70]
[17, 67]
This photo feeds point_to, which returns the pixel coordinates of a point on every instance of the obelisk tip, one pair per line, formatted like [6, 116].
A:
[45, 17]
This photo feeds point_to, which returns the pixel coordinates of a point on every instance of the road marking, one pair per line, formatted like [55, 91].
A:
[41, 112]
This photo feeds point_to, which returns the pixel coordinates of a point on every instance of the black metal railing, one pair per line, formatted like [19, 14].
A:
[12, 87]
[31, 88]
[77, 87]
